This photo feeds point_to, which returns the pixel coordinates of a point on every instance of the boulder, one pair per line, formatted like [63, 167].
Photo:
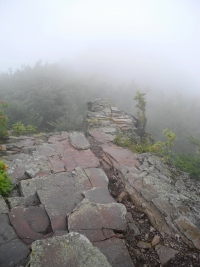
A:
[73, 250]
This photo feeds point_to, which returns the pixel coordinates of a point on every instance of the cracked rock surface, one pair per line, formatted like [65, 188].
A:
[81, 201]
[60, 210]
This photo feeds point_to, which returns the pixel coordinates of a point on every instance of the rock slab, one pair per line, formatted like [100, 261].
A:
[72, 250]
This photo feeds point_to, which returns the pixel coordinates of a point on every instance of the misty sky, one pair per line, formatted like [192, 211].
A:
[155, 42]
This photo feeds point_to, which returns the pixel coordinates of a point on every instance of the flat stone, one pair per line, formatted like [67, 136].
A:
[189, 230]
[165, 253]
[93, 235]
[86, 159]
[29, 223]
[121, 156]
[7, 233]
[73, 158]
[4, 218]
[116, 252]
[97, 177]
[57, 138]
[28, 187]
[32, 200]
[56, 164]
[22, 143]
[78, 140]
[99, 195]
[92, 216]
[16, 201]
[3, 205]
[60, 194]
[99, 136]
[13, 254]
[29, 150]
[72, 250]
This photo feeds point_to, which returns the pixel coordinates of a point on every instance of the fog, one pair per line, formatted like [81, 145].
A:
[154, 42]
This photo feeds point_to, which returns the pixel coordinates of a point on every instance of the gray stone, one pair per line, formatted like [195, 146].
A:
[99, 195]
[89, 215]
[78, 140]
[7, 233]
[4, 218]
[116, 252]
[14, 254]
[59, 193]
[16, 201]
[97, 177]
[165, 253]
[133, 226]
[3, 205]
[72, 250]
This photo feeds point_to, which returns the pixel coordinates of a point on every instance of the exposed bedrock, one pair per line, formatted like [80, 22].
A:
[61, 208]
[167, 196]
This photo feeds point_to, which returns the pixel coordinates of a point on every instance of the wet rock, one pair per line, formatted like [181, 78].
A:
[78, 140]
[69, 250]
[165, 253]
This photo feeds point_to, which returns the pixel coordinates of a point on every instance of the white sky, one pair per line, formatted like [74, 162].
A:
[155, 42]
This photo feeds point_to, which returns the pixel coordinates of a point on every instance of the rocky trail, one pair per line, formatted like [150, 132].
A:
[80, 200]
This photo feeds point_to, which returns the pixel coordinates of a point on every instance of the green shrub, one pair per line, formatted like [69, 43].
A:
[164, 148]
[5, 180]
[133, 144]
[31, 129]
[3, 120]
[20, 129]
[144, 145]
[188, 163]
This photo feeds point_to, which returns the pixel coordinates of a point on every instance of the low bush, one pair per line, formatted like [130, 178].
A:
[189, 164]
[20, 129]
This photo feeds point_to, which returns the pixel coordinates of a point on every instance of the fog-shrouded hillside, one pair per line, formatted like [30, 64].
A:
[54, 98]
